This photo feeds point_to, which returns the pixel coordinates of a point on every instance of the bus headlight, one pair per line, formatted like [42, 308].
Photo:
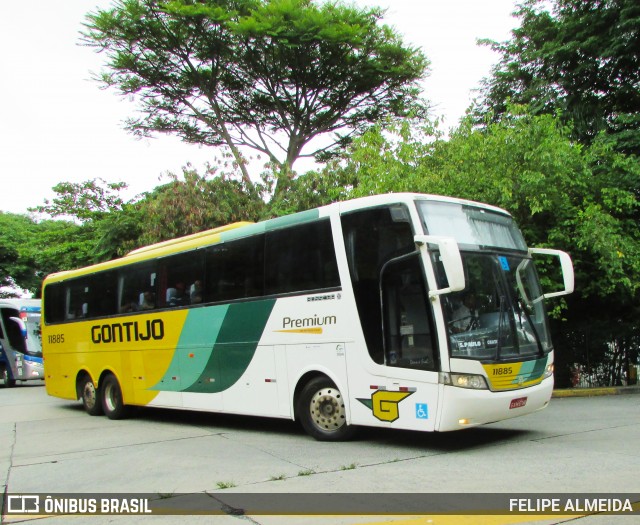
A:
[472, 381]
[548, 371]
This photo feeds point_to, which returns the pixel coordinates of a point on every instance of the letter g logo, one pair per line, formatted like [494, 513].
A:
[385, 404]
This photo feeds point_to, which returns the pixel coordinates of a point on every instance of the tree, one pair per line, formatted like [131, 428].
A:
[101, 222]
[83, 201]
[194, 204]
[583, 59]
[15, 270]
[250, 73]
[30, 250]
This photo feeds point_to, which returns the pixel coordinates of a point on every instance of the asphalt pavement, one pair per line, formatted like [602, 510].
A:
[578, 445]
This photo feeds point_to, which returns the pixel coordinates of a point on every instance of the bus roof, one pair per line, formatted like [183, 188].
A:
[245, 229]
[208, 235]
[391, 198]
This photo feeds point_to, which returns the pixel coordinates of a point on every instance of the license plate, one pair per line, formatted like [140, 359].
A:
[518, 402]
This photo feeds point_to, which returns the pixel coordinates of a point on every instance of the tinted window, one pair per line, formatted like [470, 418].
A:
[104, 294]
[138, 285]
[180, 279]
[235, 270]
[300, 258]
[54, 303]
[84, 298]
[296, 259]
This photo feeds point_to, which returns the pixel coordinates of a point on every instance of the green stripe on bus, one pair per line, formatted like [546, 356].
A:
[234, 347]
[271, 224]
[531, 370]
[291, 220]
[199, 334]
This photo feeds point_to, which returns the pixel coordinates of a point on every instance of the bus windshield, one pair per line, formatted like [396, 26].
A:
[471, 226]
[500, 314]
[33, 336]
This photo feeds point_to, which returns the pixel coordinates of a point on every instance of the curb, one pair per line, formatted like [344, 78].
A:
[602, 391]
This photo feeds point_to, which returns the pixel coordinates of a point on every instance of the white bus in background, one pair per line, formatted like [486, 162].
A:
[405, 311]
[20, 341]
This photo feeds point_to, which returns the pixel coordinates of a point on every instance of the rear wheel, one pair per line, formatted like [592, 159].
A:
[321, 410]
[111, 395]
[90, 396]
[6, 378]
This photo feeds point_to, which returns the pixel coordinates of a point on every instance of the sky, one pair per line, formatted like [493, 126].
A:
[57, 124]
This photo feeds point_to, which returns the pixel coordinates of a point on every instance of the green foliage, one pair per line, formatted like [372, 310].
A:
[250, 73]
[30, 250]
[84, 201]
[195, 203]
[118, 232]
[581, 58]
[555, 140]
[96, 215]
[15, 262]
[311, 190]
[561, 194]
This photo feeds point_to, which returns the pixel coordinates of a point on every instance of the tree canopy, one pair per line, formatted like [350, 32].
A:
[269, 75]
[582, 58]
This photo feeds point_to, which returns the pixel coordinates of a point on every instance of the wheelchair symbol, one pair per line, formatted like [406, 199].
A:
[422, 411]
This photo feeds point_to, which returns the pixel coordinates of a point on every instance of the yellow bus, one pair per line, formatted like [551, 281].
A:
[408, 311]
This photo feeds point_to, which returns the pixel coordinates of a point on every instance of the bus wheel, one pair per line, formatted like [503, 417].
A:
[8, 382]
[111, 395]
[90, 397]
[321, 409]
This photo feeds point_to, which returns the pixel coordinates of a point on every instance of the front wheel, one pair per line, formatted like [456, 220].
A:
[111, 395]
[321, 410]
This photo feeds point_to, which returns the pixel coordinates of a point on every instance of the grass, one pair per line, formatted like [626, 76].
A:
[278, 478]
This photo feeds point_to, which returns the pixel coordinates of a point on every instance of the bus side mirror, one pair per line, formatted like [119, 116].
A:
[451, 261]
[21, 325]
[565, 264]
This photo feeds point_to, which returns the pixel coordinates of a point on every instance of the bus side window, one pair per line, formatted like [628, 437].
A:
[54, 303]
[137, 288]
[300, 258]
[235, 270]
[177, 275]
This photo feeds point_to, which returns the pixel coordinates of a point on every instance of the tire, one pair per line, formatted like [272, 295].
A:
[8, 382]
[111, 396]
[321, 410]
[90, 396]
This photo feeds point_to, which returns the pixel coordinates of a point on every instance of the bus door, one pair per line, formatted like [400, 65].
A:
[411, 354]
[396, 319]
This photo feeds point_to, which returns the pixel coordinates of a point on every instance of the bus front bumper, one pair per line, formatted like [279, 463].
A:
[465, 408]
